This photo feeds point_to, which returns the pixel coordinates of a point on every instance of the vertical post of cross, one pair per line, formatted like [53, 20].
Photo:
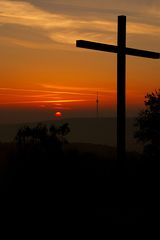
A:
[121, 85]
[121, 51]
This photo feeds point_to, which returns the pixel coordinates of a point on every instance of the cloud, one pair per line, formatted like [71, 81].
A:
[51, 91]
[144, 11]
[80, 90]
[62, 28]
[20, 96]
[45, 101]
[48, 90]
[22, 13]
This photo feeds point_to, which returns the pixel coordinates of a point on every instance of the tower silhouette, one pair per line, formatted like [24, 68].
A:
[97, 105]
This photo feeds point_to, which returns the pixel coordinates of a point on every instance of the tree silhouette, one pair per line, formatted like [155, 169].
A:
[63, 131]
[42, 137]
[148, 124]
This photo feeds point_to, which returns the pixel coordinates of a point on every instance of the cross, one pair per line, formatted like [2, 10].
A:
[121, 51]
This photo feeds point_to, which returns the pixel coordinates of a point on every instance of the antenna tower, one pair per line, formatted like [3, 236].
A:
[97, 105]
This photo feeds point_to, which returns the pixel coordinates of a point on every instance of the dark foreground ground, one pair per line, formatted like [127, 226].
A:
[77, 184]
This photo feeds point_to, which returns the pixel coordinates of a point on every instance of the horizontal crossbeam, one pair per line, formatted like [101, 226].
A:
[96, 46]
[114, 49]
[142, 53]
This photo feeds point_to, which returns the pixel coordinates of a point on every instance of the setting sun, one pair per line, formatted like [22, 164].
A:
[58, 114]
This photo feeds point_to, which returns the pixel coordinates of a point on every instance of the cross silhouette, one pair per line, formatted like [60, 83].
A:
[121, 51]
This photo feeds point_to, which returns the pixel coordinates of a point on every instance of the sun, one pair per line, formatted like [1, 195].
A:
[58, 114]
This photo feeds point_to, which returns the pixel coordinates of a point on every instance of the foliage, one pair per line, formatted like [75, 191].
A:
[148, 124]
[42, 139]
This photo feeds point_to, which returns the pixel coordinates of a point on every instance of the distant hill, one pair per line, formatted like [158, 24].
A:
[83, 130]
[97, 150]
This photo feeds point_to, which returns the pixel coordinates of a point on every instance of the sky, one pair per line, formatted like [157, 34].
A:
[42, 71]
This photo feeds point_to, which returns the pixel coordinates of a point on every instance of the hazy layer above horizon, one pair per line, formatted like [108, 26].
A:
[85, 130]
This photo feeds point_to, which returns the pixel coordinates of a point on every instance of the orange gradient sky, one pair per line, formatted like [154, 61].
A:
[41, 70]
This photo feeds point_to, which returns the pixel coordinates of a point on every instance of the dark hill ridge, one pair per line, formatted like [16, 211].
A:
[85, 130]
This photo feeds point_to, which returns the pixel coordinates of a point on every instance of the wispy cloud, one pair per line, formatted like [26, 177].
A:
[56, 90]
[61, 28]
[82, 90]
[58, 98]
[19, 96]
[49, 101]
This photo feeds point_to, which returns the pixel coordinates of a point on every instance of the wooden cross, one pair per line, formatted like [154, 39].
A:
[121, 51]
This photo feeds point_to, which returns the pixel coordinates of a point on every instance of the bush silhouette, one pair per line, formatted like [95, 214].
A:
[41, 136]
[148, 126]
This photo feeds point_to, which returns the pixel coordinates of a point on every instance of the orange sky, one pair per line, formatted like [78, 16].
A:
[42, 70]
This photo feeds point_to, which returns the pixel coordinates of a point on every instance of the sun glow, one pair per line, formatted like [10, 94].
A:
[58, 114]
